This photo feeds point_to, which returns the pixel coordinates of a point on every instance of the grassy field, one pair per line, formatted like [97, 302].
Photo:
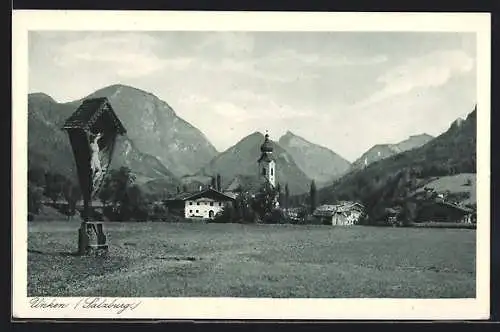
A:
[231, 260]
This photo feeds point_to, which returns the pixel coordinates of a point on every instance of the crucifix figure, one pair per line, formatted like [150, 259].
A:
[95, 161]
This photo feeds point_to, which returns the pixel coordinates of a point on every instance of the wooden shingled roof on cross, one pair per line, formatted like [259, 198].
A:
[89, 112]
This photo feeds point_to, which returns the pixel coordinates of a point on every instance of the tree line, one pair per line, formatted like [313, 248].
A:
[260, 207]
[55, 187]
[121, 198]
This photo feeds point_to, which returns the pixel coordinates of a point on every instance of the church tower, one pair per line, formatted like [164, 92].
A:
[267, 164]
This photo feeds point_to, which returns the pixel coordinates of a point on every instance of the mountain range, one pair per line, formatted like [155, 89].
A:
[158, 144]
[241, 159]
[163, 150]
[381, 151]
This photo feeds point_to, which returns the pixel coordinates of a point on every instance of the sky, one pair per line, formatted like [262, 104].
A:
[346, 91]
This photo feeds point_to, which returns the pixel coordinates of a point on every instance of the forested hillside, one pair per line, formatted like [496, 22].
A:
[390, 181]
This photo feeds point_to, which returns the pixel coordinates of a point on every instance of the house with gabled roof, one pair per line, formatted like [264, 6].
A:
[203, 204]
[440, 211]
[343, 213]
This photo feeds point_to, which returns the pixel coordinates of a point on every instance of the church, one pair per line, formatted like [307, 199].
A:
[267, 165]
[266, 173]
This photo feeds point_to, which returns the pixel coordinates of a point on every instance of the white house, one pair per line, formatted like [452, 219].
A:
[204, 204]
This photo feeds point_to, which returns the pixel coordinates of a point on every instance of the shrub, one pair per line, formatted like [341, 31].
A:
[276, 216]
[227, 215]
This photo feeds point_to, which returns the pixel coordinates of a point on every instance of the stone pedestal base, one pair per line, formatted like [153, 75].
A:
[91, 239]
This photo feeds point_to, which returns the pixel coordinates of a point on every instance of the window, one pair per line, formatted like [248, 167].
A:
[197, 203]
[220, 203]
[272, 171]
[190, 203]
[190, 211]
[211, 203]
[263, 171]
[197, 211]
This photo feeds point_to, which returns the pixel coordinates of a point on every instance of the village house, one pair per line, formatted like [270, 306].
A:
[439, 211]
[204, 204]
[343, 213]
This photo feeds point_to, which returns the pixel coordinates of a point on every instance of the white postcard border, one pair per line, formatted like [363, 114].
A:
[241, 308]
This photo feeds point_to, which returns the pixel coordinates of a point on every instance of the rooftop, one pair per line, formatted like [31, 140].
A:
[342, 206]
[267, 146]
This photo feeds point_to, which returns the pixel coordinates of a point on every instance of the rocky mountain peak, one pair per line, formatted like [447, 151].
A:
[157, 130]
[152, 126]
[316, 161]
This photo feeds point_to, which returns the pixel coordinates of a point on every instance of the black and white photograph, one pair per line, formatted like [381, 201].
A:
[184, 161]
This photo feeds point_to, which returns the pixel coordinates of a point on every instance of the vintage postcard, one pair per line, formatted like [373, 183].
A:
[251, 165]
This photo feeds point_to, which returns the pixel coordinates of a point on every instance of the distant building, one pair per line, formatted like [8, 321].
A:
[343, 213]
[204, 204]
[439, 211]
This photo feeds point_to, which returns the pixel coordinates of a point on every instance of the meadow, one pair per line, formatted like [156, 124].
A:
[234, 260]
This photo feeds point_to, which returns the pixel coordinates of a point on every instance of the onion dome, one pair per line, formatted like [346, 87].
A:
[267, 146]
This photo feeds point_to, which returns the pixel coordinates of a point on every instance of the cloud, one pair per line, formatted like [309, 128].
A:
[288, 65]
[132, 55]
[431, 70]
[246, 68]
[126, 54]
[282, 66]
[231, 110]
[293, 57]
[193, 99]
[229, 43]
[241, 105]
